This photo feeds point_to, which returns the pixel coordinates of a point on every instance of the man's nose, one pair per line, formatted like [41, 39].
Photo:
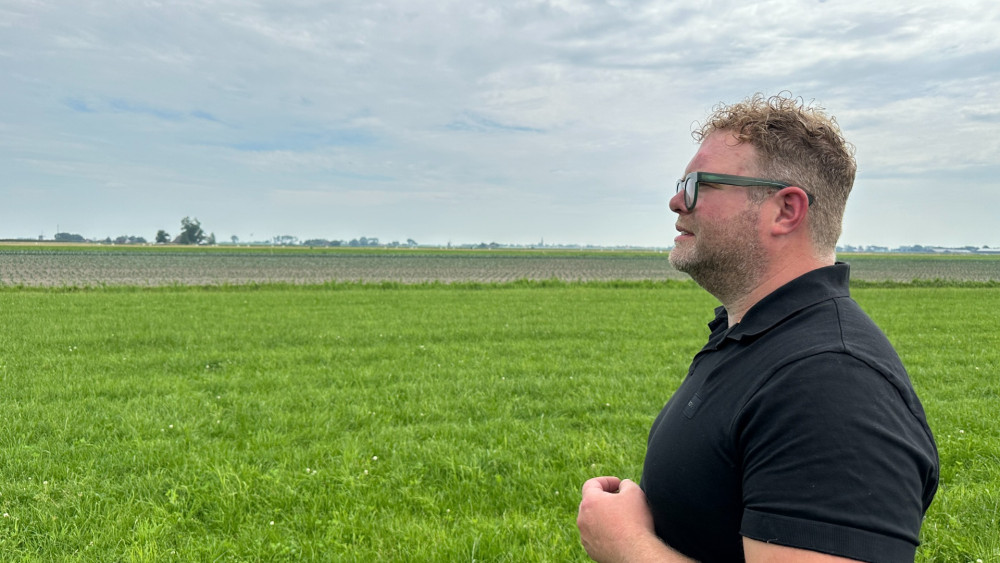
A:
[677, 203]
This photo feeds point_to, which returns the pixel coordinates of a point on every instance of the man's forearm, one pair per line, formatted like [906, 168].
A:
[649, 549]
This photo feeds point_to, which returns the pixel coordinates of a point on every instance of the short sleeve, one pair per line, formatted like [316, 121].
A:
[836, 460]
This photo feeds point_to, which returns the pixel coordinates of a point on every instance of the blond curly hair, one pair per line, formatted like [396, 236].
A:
[796, 143]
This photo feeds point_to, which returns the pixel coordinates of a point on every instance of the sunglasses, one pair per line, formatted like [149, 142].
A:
[691, 182]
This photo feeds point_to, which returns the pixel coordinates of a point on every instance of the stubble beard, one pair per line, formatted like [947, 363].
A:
[728, 261]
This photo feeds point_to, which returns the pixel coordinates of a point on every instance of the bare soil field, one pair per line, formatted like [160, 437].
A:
[63, 266]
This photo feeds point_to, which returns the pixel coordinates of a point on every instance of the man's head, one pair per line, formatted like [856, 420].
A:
[797, 144]
[763, 198]
[720, 244]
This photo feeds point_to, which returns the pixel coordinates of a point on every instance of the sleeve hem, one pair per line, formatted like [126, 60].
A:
[823, 537]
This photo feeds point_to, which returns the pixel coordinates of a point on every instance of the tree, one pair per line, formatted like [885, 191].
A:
[162, 237]
[191, 231]
[69, 237]
[235, 239]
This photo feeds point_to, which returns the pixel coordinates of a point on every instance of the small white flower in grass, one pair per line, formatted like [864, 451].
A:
[374, 458]
[366, 472]
[272, 522]
[5, 515]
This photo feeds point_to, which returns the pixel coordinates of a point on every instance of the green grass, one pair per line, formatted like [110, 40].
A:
[361, 423]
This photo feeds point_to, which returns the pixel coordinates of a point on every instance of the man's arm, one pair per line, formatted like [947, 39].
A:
[760, 552]
[616, 525]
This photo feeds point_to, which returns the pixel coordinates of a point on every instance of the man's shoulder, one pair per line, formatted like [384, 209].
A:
[836, 327]
[862, 338]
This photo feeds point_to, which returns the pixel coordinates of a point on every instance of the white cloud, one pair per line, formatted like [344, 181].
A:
[571, 114]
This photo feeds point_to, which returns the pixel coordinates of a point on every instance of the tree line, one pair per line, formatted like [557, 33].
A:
[191, 232]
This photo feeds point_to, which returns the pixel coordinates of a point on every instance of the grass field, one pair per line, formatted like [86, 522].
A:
[404, 423]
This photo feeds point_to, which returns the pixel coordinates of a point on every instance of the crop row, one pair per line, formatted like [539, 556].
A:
[78, 268]
[88, 268]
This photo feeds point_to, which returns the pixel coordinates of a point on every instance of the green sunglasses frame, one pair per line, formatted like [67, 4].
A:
[727, 180]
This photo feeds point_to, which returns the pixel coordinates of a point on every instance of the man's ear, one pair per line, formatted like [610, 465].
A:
[792, 207]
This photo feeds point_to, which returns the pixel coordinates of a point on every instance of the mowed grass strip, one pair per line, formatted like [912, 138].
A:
[424, 424]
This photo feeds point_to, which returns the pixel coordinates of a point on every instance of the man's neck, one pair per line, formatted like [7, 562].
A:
[774, 278]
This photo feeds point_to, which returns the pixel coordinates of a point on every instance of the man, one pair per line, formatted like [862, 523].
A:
[796, 435]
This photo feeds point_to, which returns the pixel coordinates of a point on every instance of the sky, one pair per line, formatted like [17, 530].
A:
[468, 121]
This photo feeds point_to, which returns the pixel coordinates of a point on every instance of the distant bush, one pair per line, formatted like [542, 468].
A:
[130, 240]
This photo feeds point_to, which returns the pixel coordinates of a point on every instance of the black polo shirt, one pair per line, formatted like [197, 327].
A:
[798, 426]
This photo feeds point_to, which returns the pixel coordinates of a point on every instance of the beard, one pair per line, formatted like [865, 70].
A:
[727, 260]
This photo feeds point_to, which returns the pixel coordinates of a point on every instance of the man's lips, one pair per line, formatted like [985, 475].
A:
[683, 232]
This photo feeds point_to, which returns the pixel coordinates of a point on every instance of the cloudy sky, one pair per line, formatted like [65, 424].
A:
[475, 121]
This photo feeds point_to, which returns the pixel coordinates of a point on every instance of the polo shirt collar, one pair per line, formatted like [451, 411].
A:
[806, 290]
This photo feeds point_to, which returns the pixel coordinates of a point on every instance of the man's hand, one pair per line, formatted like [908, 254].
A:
[616, 525]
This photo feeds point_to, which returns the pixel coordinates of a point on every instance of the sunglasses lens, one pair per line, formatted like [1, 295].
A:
[690, 191]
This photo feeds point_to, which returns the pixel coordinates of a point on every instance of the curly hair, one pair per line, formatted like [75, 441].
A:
[796, 143]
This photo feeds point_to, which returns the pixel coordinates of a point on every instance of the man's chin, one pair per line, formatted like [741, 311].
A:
[680, 260]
